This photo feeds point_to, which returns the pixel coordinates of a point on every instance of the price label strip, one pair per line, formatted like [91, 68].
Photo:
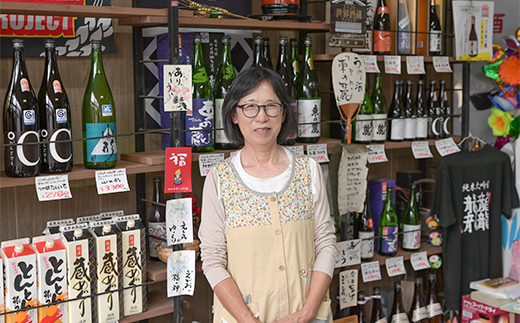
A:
[395, 266]
[419, 260]
[441, 64]
[349, 253]
[370, 271]
[421, 150]
[393, 64]
[112, 181]
[415, 65]
[446, 147]
[370, 63]
[376, 154]
[297, 149]
[50, 188]
[318, 153]
[207, 161]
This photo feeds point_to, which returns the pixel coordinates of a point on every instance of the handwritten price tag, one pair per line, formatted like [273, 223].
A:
[393, 64]
[395, 266]
[297, 149]
[441, 64]
[419, 260]
[112, 181]
[50, 188]
[207, 161]
[370, 271]
[446, 147]
[415, 65]
[376, 154]
[318, 153]
[370, 63]
[421, 150]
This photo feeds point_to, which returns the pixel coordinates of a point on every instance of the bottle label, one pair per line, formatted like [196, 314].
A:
[29, 118]
[220, 135]
[310, 62]
[437, 126]
[473, 48]
[400, 318]
[382, 10]
[411, 236]
[422, 128]
[435, 309]
[435, 41]
[446, 127]
[382, 41]
[201, 118]
[397, 129]
[367, 244]
[382, 320]
[364, 128]
[410, 128]
[389, 240]
[106, 110]
[309, 111]
[61, 116]
[379, 127]
[419, 314]
[102, 149]
[28, 155]
[24, 85]
[156, 229]
[59, 152]
[56, 86]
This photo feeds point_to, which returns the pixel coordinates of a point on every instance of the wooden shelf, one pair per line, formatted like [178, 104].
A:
[156, 270]
[158, 304]
[380, 58]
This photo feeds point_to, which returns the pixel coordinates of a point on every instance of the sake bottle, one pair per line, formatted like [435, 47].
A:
[156, 220]
[418, 312]
[435, 31]
[284, 69]
[365, 230]
[379, 124]
[266, 53]
[201, 117]
[398, 315]
[445, 109]
[363, 124]
[258, 51]
[433, 119]
[99, 116]
[56, 156]
[422, 112]
[411, 222]
[434, 308]
[410, 113]
[396, 113]
[403, 29]
[381, 27]
[226, 75]
[378, 314]
[21, 120]
[309, 99]
[473, 39]
[295, 64]
[360, 308]
[388, 227]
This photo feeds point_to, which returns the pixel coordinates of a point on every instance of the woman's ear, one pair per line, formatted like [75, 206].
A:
[234, 117]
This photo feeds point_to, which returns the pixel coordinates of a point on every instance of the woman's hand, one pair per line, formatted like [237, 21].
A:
[300, 316]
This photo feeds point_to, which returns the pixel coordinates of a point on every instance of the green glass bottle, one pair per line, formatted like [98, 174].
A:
[226, 75]
[99, 117]
[388, 227]
[201, 117]
[293, 59]
[309, 99]
[379, 123]
[363, 124]
[411, 223]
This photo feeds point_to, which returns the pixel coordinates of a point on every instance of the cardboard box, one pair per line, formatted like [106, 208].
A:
[475, 311]
[88, 219]
[54, 226]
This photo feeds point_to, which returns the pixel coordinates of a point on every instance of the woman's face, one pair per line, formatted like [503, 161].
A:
[262, 129]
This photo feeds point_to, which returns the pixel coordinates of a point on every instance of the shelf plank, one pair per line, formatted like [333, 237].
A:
[158, 304]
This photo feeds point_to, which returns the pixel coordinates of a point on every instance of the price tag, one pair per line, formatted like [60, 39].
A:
[415, 65]
[376, 154]
[111, 181]
[446, 147]
[419, 260]
[421, 150]
[441, 64]
[393, 64]
[297, 149]
[349, 253]
[318, 153]
[370, 63]
[207, 161]
[395, 266]
[50, 188]
[370, 271]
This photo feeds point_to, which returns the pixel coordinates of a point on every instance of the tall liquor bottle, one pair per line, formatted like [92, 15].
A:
[309, 99]
[445, 109]
[226, 75]
[418, 312]
[434, 120]
[435, 312]
[411, 223]
[403, 29]
[365, 231]
[360, 308]
[99, 116]
[410, 114]
[363, 124]
[284, 69]
[201, 117]
[379, 123]
[55, 121]
[156, 219]
[398, 315]
[388, 227]
[21, 120]
[378, 314]
[266, 53]
[258, 51]
[435, 31]
[473, 39]
[295, 64]
[396, 112]
[381, 27]
[422, 112]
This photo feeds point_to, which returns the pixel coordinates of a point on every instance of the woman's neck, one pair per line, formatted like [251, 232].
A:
[264, 163]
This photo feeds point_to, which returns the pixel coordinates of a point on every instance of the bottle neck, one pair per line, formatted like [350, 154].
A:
[157, 194]
[307, 58]
[397, 92]
[97, 62]
[50, 63]
[431, 292]
[283, 58]
[19, 62]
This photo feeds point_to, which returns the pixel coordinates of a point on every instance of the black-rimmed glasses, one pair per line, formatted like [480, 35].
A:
[251, 110]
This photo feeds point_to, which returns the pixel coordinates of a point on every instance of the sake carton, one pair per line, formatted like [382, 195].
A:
[109, 270]
[2, 307]
[133, 236]
[55, 226]
[20, 275]
[88, 219]
[81, 272]
[52, 278]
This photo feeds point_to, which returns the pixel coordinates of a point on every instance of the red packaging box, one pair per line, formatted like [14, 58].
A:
[475, 311]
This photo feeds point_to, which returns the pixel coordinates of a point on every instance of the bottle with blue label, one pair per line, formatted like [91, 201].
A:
[99, 117]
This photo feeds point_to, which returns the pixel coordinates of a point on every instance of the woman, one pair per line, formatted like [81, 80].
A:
[268, 244]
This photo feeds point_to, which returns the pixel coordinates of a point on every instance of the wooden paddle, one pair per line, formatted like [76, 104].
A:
[348, 80]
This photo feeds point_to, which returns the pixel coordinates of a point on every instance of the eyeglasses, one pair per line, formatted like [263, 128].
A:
[251, 110]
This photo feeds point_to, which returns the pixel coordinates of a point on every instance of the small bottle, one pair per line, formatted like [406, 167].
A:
[473, 39]
[434, 121]
[388, 227]
[295, 64]
[381, 27]
[378, 314]
[411, 222]
[78, 234]
[379, 124]
[435, 312]
[435, 31]
[156, 219]
[258, 52]
[398, 315]
[396, 112]
[422, 112]
[410, 114]
[284, 69]
[107, 229]
[365, 230]
[418, 312]
[363, 123]
[445, 111]
[360, 309]
[266, 53]
[403, 29]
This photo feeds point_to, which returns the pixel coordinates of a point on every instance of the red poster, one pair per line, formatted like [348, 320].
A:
[177, 172]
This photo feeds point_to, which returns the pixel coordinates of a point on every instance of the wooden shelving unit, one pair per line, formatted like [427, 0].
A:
[380, 58]
[158, 304]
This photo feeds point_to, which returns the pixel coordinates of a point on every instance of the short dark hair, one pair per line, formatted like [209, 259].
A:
[247, 82]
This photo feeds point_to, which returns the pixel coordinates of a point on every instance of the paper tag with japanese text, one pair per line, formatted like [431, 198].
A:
[112, 181]
[415, 65]
[441, 64]
[180, 273]
[376, 154]
[421, 150]
[352, 178]
[348, 253]
[446, 147]
[177, 170]
[392, 64]
[177, 88]
[297, 149]
[318, 153]
[207, 161]
[50, 188]
[419, 260]
[395, 266]
[348, 283]
[371, 271]
[179, 221]
[370, 63]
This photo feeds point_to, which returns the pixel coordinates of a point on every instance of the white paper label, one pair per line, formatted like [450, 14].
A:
[441, 64]
[367, 244]
[348, 282]
[419, 260]
[410, 127]
[348, 253]
[422, 128]
[179, 221]
[181, 273]
[376, 154]
[51, 188]
[177, 88]
[318, 153]
[379, 127]
[364, 128]
[435, 41]
[392, 64]
[207, 161]
[421, 149]
[370, 63]
[446, 147]
[297, 149]
[112, 181]
[415, 65]
[395, 266]
[411, 236]
[309, 111]
[371, 271]
[397, 129]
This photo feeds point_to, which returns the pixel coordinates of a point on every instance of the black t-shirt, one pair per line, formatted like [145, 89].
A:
[472, 190]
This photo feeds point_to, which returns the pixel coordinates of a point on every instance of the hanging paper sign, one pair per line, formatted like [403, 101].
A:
[370, 63]
[179, 221]
[419, 260]
[441, 64]
[348, 283]
[177, 170]
[370, 271]
[318, 153]
[177, 88]
[376, 154]
[297, 149]
[207, 161]
[50, 188]
[415, 65]
[112, 181]
[421, 150]
[392, 64]
[348, 253]
[446, 147]
[395, 266]
[352, 178]
[181, 273]
[473, 29]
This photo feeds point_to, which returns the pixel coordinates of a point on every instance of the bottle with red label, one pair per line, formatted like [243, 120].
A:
[365, 231]
[381, 27]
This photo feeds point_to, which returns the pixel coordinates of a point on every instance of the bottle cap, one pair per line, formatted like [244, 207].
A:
[107, 228]
[197, 39]
[18, 248]
[130, 223]
[60, 228]
[157, 179]
[49, 244]
[266, 40]
[226, 39]
[17, 43]
[49, 43]
[418, 280]
[377, 291]
[308, 41]
[95, 44]
[283, 39]
[78, 233]
[294, 41]
[258, 39]
[397, 286]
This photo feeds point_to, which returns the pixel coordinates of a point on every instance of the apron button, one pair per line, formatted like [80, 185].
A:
[281, 268]
[273, 198]
[277, 231]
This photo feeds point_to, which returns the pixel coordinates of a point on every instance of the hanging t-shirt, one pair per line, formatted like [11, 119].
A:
[472, 190]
